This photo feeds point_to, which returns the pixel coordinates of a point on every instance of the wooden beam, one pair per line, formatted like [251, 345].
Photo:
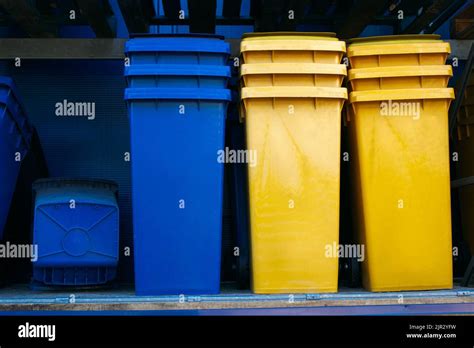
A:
[95, 13]
[232, 8]
[137, 14]
[27, 18]
[202, 16]
[423, 21]
[361, 14]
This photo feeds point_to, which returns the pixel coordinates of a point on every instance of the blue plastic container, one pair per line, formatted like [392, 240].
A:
[177, 188]
[178, 49]
[76, 228]
[171, 76]
[15, 138]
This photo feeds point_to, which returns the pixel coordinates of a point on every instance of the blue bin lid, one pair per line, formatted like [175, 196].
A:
[177, 44]
[177, 70]
[177, 93]
[75, 182]
[196, 35]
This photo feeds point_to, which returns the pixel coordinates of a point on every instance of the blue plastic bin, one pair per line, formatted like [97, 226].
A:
[178, 49]
[14, 145]
[76, 228]
[177, 188]
[170, 76]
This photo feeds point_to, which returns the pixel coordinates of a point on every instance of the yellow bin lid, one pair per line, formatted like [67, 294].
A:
[288, 41]
[397, 44]
[401, 71]
[297, 69]
[294, 92]
[401, 94]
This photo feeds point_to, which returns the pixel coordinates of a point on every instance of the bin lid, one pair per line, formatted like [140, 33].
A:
[401, 94]
[290, 44]
[177, 93]
[177, 70]
[290, 34]
[401, 39]
[401, 71]
[178, 35]
[177, 44]
[290, 68]
[402, 47]
[294, 92]
[75, 182]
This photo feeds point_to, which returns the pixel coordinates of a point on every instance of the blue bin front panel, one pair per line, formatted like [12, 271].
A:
[177, 188]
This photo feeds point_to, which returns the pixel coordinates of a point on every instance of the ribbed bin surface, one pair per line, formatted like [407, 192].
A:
[76, 228]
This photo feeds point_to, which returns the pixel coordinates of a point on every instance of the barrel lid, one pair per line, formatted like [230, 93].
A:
[294, 92]
[401, 94]
[290, 68]
[401, 71]
[177, 44]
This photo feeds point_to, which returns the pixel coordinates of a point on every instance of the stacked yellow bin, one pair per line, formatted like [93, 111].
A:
[291, 103]
[466, 160]
[398, 126]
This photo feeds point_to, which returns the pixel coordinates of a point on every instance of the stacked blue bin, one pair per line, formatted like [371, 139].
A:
[15, 140]
[76, 228]
[177, 100]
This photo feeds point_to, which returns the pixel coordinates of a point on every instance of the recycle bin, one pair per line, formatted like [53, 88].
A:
[294, 186]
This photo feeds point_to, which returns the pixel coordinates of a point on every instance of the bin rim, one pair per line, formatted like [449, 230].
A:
[380, 39]
[142, 45]
[324, 35]
[177, 35]
[400, 71]
[177, 70]
[294, 92]
[132, 93]
[59, 181]
[397, 48]
[292, 45]
[401, 94]
[290, 68]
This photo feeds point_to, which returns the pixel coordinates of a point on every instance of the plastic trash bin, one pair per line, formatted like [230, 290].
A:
[400, 175]
[173, 76]
[177, 188]
[15, 140]
[288, 74]
[178, 49]
[293, 48]
[294, 186]
[76, 228]
[397, 50]
[421, 76]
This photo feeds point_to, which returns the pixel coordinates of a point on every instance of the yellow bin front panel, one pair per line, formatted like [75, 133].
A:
[294, 192]
[400, 176]
[293, 75]
[425, 76]
[400, 50]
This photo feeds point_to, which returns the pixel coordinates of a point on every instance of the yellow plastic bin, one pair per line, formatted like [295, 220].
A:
[397, 50]
[400, 173]
[295, 48]
[422, 76]
[287, 74]
[295, 134]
